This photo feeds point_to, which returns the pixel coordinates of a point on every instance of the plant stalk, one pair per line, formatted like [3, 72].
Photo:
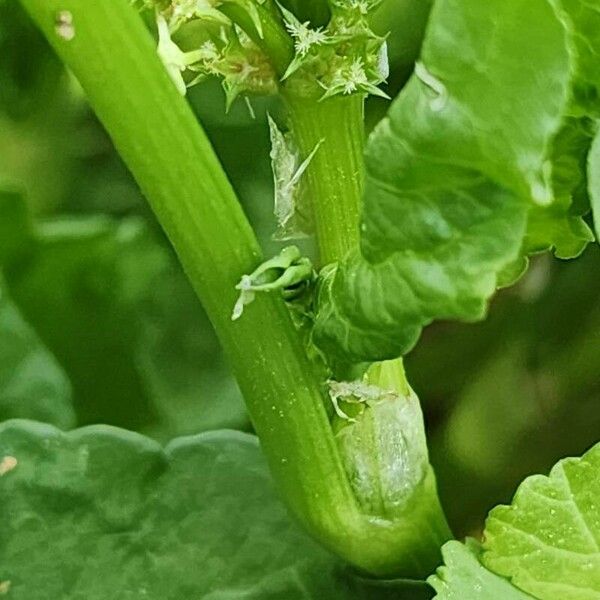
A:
[335, 176]
[107, 47]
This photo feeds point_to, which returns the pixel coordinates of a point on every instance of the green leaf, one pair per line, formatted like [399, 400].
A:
[181, 364]
[464, 577]
[15, 226]
[315, 11]
[451, 174]
[32, 384]
[112, 304]
[594, 182]
[583, 21]
[78, 288]
[548, 540]
[555, 228]
[28, 71]
[104, 513]
[560, 225]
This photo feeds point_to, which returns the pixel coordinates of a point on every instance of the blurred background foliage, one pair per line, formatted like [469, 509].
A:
[99, 324]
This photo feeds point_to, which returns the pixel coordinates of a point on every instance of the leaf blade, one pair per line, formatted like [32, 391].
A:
[548, 540]
[463, 577]
[451, 174]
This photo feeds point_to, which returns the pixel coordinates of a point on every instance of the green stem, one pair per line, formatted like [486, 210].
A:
[156, 133]
[335, 180]
[335, 176]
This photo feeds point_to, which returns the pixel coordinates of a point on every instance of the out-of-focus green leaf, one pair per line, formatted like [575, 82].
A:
[182, 365]
[463, 577]
[113, 306]
[451, 174]
[103, 513]
[315, 11]
[15, 225]
[502, 393]
[32, 384]
[78, 290]
[405, 20]
[28, 71]
[548, 540]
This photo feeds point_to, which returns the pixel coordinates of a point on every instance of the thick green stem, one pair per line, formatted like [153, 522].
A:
[107, 47]
[335, 175]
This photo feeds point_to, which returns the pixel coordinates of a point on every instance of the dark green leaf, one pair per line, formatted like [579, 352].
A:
[113, 306]
[32, 384]
[102, 513]
[560, 225]
[583, 21]
[15, 226]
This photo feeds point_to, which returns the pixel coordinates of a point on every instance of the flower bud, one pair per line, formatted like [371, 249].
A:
[381, 438]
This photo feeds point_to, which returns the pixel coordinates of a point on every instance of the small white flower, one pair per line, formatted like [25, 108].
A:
[349, 79]
[305, 38]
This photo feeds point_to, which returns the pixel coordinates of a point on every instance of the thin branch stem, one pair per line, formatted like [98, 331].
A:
[335, 176]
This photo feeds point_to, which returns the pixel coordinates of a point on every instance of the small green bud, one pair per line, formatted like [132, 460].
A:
[285, 273]
[381, 438]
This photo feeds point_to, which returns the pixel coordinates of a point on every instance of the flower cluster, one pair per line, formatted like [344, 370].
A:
[344, 58]
[217, 47]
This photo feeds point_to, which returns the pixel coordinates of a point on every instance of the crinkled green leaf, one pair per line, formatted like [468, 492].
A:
[555, 228]
[570, 150]
[548, 540]
[546, 543]
[32, 384]
[451, 174]
[463, 577]
[584, 24]
[102, 513]
[594, 182]
[560, 225]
